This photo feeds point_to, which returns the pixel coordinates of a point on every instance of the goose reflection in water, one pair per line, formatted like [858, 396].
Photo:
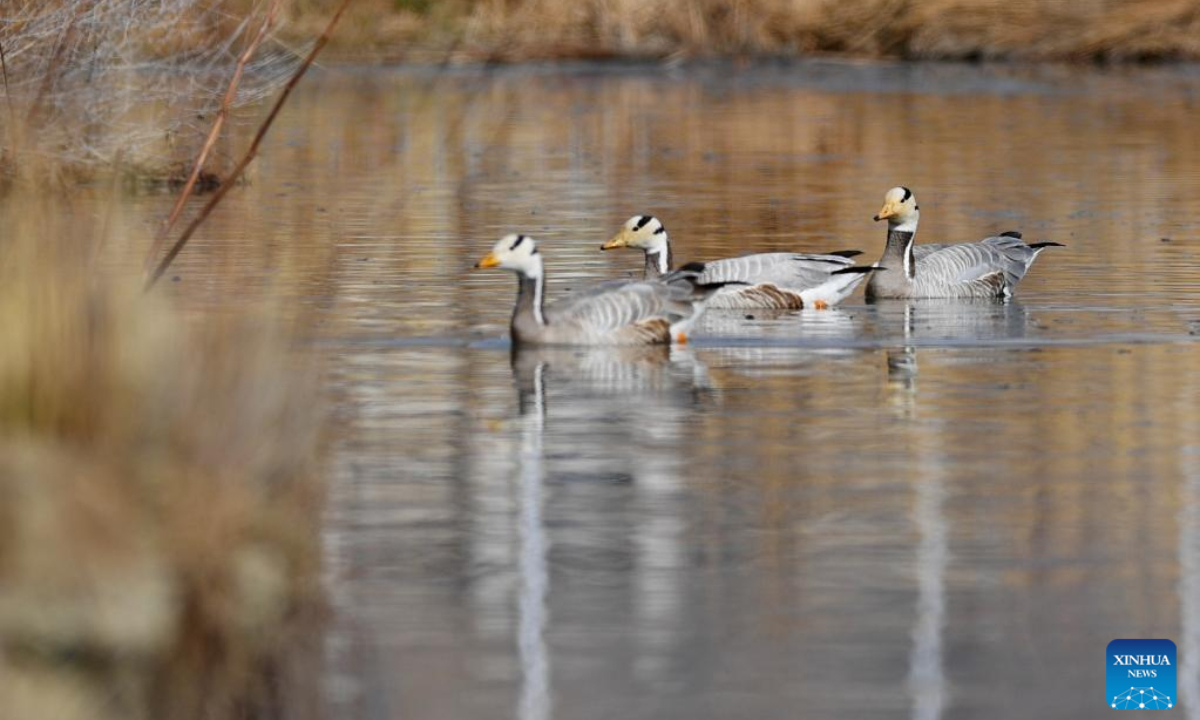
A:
[955, 323]
[534, 702]
[823, 327]
[620, 395]
[950, 322]
[926, 674]
[1189, 579]
[764, 343]
[644, 380]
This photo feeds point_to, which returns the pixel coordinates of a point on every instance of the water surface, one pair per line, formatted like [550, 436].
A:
[922, 510]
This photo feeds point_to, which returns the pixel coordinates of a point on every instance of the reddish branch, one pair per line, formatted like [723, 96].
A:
[250, 152]
[7, 93]
[213, 133]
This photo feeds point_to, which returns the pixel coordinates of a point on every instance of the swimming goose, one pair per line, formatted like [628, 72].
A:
[778, 280]
[990, 268]
[622, 312]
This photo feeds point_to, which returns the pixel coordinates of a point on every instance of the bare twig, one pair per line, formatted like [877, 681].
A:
[251, 151]
[12, 116]
[56, 60]
[213, 133]
[10, 145]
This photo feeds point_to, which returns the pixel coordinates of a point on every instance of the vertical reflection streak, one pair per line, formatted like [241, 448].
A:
[534, 703]
[1189, 582]
[926, 681]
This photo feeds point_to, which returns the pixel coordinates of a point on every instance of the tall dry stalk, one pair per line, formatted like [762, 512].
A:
[214, 132]
[12, 114]
[251, 151]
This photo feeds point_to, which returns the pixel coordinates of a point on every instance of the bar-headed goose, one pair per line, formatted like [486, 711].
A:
[990, 268]
[779, 280]
[622, 312]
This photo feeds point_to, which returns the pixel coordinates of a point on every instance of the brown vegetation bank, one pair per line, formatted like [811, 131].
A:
[516, 30]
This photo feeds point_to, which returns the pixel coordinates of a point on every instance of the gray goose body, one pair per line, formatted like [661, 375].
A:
[783, 280]
[779, 280]
[990, 268]
[640, 312]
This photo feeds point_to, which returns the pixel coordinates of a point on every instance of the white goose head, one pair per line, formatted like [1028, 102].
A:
[517, 253]
[900, 210]
[644, 232]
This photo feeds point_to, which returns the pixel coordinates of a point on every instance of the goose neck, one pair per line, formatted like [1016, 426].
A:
[899, 248]
[531, 295]
[658, 260]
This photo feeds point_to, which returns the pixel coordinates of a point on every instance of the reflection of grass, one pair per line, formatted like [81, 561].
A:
[159, 493]
[524, 29]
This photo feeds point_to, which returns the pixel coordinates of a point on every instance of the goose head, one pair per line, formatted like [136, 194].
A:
[517, 253]
[643, 232]
[900, 209]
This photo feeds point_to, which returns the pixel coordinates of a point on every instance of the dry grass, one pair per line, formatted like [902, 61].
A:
[159, 499]
[514, 30]
[131, 85]
[94, 85]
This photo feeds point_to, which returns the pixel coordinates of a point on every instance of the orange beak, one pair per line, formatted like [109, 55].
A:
[889, 209]
[619, 240]
[489, 261]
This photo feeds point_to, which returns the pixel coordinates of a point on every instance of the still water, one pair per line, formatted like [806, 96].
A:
[897, 510]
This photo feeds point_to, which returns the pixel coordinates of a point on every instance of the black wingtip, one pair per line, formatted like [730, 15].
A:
[845, 253]
[1046, 244]
[1011, 234]
[696, 267]
[857, 269]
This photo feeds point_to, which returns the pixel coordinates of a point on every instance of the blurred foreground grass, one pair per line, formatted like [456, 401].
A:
[160, 492]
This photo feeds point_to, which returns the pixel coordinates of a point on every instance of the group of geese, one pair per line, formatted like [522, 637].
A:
[664, 305]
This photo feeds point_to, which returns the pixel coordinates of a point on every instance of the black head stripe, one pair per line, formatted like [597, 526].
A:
[520, 239]
[907, 194]
[660, 230]
[641, 223]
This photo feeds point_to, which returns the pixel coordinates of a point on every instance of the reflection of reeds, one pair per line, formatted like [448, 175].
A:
[159, 498]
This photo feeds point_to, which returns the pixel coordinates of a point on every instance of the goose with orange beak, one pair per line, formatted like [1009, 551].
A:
[990, 268]
[638, 312]
[780, 280]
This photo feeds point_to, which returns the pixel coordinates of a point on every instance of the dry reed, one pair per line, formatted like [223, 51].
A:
[247, 157]
[159, 498]
[101, 83]
[214, 132]
[515, 30]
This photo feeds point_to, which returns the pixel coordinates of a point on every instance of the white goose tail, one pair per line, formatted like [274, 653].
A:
[838, 287]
